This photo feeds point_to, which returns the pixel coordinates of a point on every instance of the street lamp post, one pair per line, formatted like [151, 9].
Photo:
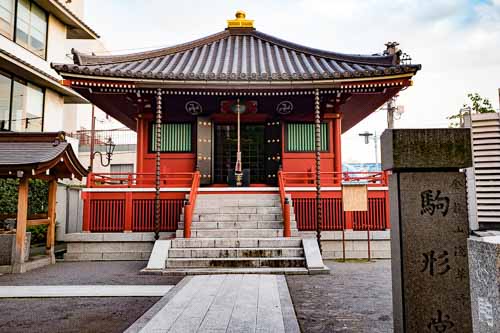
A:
[110, 148]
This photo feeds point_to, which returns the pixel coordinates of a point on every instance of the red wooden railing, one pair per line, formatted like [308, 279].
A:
[130, 180]
[285, 206]
[335, 178]
[115, 206]
[189, 207]
[118, 209]
[334, 217]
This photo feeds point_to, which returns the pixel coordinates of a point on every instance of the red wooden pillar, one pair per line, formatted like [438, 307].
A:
[337, 146]
[140, 144]
[128, 212]
[188, 216]
[287, 231]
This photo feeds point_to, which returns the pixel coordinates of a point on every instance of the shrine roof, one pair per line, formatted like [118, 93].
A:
[236, 54]
[35, 153]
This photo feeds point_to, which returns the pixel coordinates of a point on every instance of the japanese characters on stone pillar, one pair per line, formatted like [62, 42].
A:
[430, 275]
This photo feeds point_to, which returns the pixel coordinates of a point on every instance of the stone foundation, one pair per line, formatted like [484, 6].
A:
[110, 246]
[138, 245]
[356, 244]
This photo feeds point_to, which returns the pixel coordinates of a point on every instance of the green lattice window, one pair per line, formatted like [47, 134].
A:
[175, 137]
[300, 137]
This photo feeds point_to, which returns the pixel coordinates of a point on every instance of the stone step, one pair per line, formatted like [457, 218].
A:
[238, 210]
[237, 203]
[259, 270]
[237, 225]
[235, 233]
[235, 262]
[201, 217]
[231, 252]
[238, 196]
[236, 242]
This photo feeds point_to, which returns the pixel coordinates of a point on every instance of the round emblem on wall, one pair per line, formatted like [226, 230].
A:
[284, 108]
[193, 108]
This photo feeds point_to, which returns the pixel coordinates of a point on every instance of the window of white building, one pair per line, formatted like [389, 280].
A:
[7, 10]
[5, 96]
[21, 105]
[31, 27]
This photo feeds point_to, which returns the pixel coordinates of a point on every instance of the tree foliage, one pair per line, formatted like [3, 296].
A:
[479, 105]
[37, 196]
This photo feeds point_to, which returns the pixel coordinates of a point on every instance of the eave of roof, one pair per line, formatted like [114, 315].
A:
[243, 55]
[36, 75]
[77, 28]
[35, 153]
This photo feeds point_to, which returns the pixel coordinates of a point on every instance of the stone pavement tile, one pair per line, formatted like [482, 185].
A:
[224, 303]
[141, 322]
[192, 316]
[83, 291]
[287, 309]
[219, 314]
[269, 317]
[244, 316]
[167, 316]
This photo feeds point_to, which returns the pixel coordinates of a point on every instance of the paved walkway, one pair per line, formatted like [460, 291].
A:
[83, 291]
[223, 303]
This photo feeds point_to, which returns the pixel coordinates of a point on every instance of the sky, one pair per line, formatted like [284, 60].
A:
[455, 41]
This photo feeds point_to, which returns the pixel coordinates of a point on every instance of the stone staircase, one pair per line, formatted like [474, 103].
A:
[237, 233]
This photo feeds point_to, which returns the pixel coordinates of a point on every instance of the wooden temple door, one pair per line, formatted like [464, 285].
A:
[204, 148]
[273, 143]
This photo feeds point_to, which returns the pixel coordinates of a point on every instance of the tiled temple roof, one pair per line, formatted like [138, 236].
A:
[237, 55]
[35, 153]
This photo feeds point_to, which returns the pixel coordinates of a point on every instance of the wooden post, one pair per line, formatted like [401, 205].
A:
[86, 211]
[51, 228]
[22, 217]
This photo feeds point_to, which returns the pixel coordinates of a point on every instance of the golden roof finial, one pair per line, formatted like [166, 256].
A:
[240, 21]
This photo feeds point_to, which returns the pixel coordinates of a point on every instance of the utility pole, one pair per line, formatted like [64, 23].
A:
[92, 139]
[391, 108]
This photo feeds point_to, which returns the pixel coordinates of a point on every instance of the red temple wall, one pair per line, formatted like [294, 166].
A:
[291, 162]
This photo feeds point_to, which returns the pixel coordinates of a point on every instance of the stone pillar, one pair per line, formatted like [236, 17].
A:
[484, 263]
[430, 275]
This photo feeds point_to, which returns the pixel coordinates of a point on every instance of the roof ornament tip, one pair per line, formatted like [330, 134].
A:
[240, 21]
[393, 50]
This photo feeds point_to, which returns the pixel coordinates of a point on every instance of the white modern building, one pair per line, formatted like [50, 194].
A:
[33, 98]
[32, 35]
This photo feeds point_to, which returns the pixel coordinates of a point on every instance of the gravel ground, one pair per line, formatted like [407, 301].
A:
[78, 314]
[354, 297]
[64, 315]
[75, 273]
